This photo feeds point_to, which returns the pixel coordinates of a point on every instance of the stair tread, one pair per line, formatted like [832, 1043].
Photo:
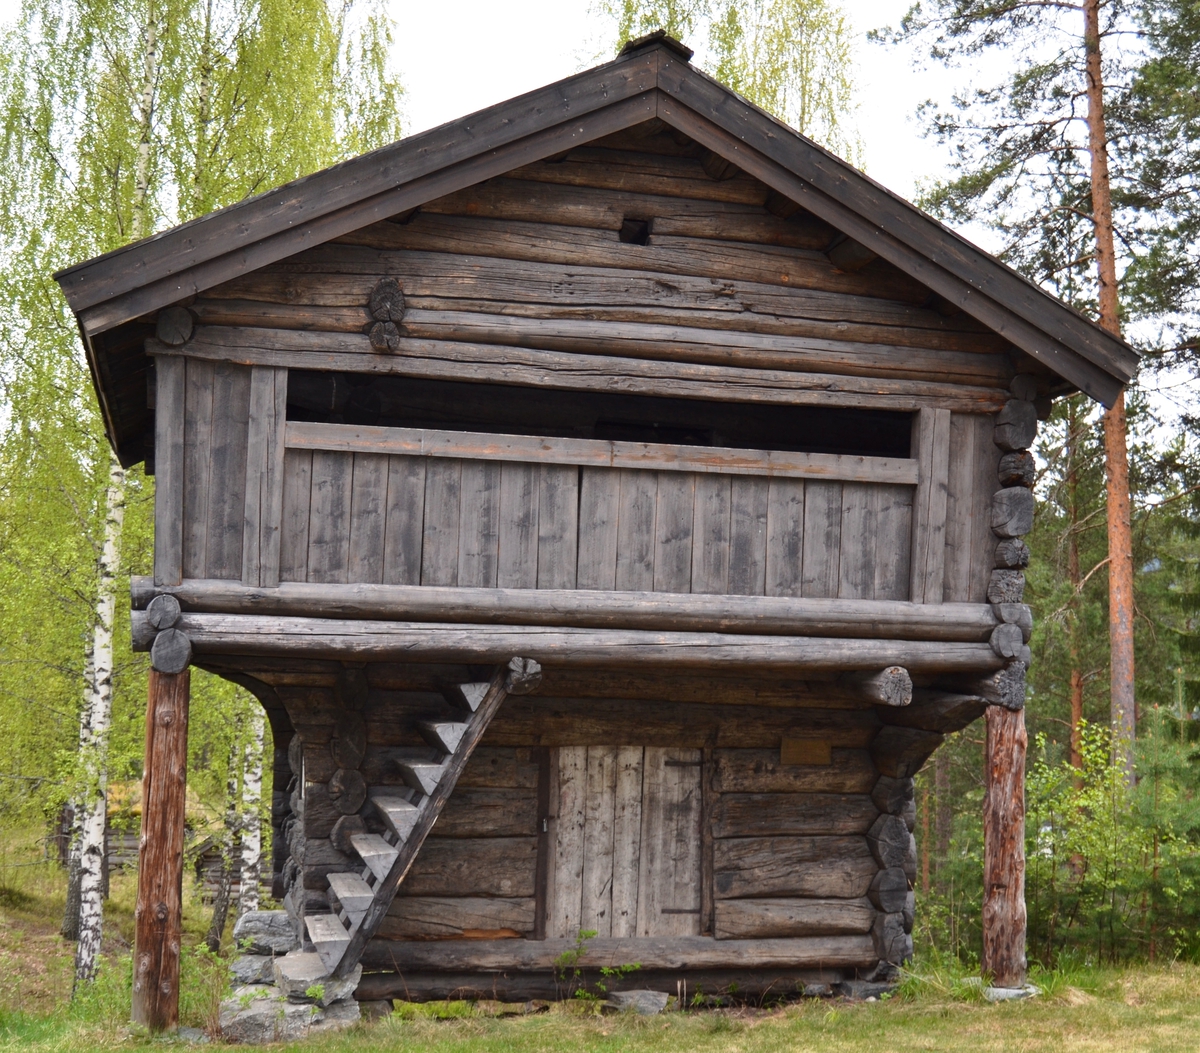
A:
[329, 936]
[467, 696]
[375, 852]
[399, 815]
[445, 734]
[423, 775]
[352, 893]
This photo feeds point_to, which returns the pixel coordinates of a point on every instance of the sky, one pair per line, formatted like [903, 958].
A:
[500, 48]
[458, 56]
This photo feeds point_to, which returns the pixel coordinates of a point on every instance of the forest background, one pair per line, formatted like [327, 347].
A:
[120, 119]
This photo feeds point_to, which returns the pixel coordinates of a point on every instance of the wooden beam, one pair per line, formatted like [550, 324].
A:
[747, 983]
[1004, 917]
[159, 911]
[530, 367]
[586, 608]
[434, 642]
[666, 952]
[601, 453]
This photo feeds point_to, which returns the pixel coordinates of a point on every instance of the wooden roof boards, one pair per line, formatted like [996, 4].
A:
[652, 79]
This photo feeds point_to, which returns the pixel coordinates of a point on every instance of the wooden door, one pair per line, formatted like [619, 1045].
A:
[627, 842]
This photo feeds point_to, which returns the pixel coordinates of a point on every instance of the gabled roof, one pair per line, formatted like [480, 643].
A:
[651, 78]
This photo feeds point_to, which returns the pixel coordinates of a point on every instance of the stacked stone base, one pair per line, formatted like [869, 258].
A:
[282, 993]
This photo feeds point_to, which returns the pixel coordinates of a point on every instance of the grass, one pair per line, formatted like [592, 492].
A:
[1153, 1008]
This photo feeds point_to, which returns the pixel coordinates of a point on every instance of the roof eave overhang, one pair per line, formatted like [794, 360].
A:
[653, 82]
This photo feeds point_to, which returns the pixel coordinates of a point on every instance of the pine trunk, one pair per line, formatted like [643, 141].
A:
[94, 809]
[251, 817]
[1074, 576]
[1004, 918]
[1116, 455]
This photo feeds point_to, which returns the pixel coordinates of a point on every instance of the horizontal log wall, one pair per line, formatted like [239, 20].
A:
[534, 260]
[665, 819]
[879, 619]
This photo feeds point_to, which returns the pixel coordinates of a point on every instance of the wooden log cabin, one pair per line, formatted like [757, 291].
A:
[613, 499]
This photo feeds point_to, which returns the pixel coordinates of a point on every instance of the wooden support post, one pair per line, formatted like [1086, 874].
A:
[159, 913]
[1004, 847]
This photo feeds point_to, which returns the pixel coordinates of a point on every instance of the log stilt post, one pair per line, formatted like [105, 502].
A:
[1004, 847]
[159, 914]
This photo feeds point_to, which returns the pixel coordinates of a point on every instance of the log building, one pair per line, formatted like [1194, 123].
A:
[619, 481]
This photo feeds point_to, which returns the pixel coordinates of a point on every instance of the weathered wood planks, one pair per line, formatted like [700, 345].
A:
[170, 402]
[534, 368]
[264, 477]
[627, 848]
[599, 453]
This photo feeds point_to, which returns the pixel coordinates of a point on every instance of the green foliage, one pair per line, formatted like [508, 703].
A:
[567, 973]
[794, 58]
[245, 95]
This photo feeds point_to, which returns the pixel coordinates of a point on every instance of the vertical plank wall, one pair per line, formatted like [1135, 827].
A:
[627, 845]
[355, 517]
[972, 480]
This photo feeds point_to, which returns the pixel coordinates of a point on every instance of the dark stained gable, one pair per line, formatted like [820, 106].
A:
[112, 294]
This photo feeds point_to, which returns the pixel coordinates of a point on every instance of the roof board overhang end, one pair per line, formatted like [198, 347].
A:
[653, 79]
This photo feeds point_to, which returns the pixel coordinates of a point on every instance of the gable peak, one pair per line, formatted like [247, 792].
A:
[658, 37]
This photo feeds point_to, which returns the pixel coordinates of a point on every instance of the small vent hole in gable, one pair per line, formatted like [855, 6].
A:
[634, 231]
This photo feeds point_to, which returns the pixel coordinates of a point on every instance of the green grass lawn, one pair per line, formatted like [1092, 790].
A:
[1151, 1008]
[1148, 1009]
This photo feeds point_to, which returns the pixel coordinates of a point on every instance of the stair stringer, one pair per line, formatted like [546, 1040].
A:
[519, 676]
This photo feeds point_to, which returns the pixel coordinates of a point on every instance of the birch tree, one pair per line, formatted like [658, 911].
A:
[118, 119]
[95, 751]
[251, 819]
[794, 58]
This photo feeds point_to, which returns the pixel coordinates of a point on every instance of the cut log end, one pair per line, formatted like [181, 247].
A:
[387, 301]
[174, 326]
[384, 337]
[1004, 688]
[162, 612]
[171, 651]
[888, 687]
[524, 676]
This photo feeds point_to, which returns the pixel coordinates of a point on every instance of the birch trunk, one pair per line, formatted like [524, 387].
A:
[1116, 454]
[94, 810]
[228, 837]
[251, 814]
[70, 922]
[145, 106]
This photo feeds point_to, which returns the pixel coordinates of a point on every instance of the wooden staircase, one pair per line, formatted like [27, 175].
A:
[360, 898]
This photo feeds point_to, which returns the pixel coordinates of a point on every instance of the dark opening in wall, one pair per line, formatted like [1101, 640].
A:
[405, 402]
[634, 231]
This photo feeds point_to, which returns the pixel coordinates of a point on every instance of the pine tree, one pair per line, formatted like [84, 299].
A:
[1032, 155]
